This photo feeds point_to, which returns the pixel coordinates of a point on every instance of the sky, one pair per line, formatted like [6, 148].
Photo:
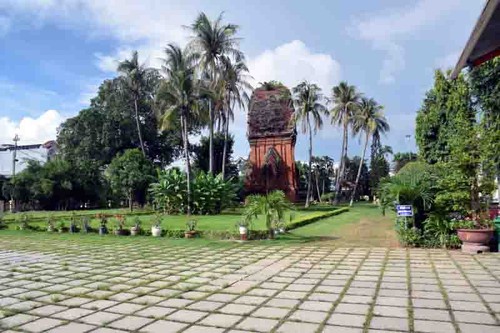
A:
[55, 53]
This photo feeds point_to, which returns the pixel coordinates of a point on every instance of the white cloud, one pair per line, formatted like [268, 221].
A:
[448, 61]
[31, 130]
[288, 63]
[5, 25]
[293, 62]
[387, 30]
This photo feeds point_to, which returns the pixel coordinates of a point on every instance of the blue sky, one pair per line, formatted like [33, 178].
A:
[54, 53]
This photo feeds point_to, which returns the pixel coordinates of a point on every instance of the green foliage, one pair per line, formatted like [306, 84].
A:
[191, 225]
[210, 194]
[440, 232]
[273, 206]
[412, 185]
[201, 153]
[408, 235]
[401, 159]
[130, 174]
[169, 193]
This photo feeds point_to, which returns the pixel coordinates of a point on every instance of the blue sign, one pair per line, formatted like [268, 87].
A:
[404, 210]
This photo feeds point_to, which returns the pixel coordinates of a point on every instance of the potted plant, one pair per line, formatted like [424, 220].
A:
[136, 229]
[86, 225]
[3, 225]
[24, 225]
[243, 227]
[73, 228]
[120, 229]
[103, 229]
[156, 227]
[62, 227]
[50, 224]
[475, 233]
[191, 229]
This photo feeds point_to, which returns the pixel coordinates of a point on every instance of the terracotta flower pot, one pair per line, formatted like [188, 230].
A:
[134, 231]
[190, 234]
[476, 236]
[475, 240]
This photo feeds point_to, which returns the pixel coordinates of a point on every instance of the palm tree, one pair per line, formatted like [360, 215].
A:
[236, 94]
[368, 119]
[135, 75]
[309, 109]
[345, 100]
[213, 40]
[272, 205]
[178, 99]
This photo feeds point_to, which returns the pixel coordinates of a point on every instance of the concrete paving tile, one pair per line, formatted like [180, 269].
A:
[390, 311]
[351, 320]
[282, 303]
[429, 326]
[16, 320]
[294, 327]
[220, 320]
[203, 329]
[132, 323]
[389, 323]
[341, 329]
[474, 317]
[100, 318]
[257, 324]
[41, 325]
[73, 328]
[72, 314]
[187, 316]
[164, 326]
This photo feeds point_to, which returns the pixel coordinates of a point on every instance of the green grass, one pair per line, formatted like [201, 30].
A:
[362, 225]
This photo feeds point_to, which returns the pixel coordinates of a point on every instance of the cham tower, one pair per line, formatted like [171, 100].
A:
[272, 136]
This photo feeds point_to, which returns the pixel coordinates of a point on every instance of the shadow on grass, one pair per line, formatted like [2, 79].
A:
[294, 238]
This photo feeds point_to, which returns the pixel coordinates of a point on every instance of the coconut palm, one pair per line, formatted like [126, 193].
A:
[135, 75]
[178, 99]
[367, 119]
[235, 77]
[345, 101]
[213, 40]
[307, 100]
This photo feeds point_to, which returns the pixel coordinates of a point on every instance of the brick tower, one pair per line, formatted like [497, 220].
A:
[272, 135]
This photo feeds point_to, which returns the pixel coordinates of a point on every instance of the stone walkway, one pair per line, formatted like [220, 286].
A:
[158, 288]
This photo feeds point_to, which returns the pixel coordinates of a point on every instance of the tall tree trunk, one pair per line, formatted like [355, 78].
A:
[340, 175]
[211, 138]
[359, 169]
[224, 150]
[131, 199]
[309, 176]
[188, 164]
[323, 186]
[317, 187]
[139, 126]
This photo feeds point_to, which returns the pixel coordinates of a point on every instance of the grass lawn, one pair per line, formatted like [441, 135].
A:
[363, 225]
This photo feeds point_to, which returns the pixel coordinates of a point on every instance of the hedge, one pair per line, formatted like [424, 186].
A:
[315, 217]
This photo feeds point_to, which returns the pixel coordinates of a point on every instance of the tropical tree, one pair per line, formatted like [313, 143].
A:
[135, 76]
[214, 41]
[130, 173]
[177, 98]
[345, 101]
[401, 159]
[235, 77]
[307, 100]
[367, 119]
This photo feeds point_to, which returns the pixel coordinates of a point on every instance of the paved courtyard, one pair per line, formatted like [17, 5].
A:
[114, 286]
